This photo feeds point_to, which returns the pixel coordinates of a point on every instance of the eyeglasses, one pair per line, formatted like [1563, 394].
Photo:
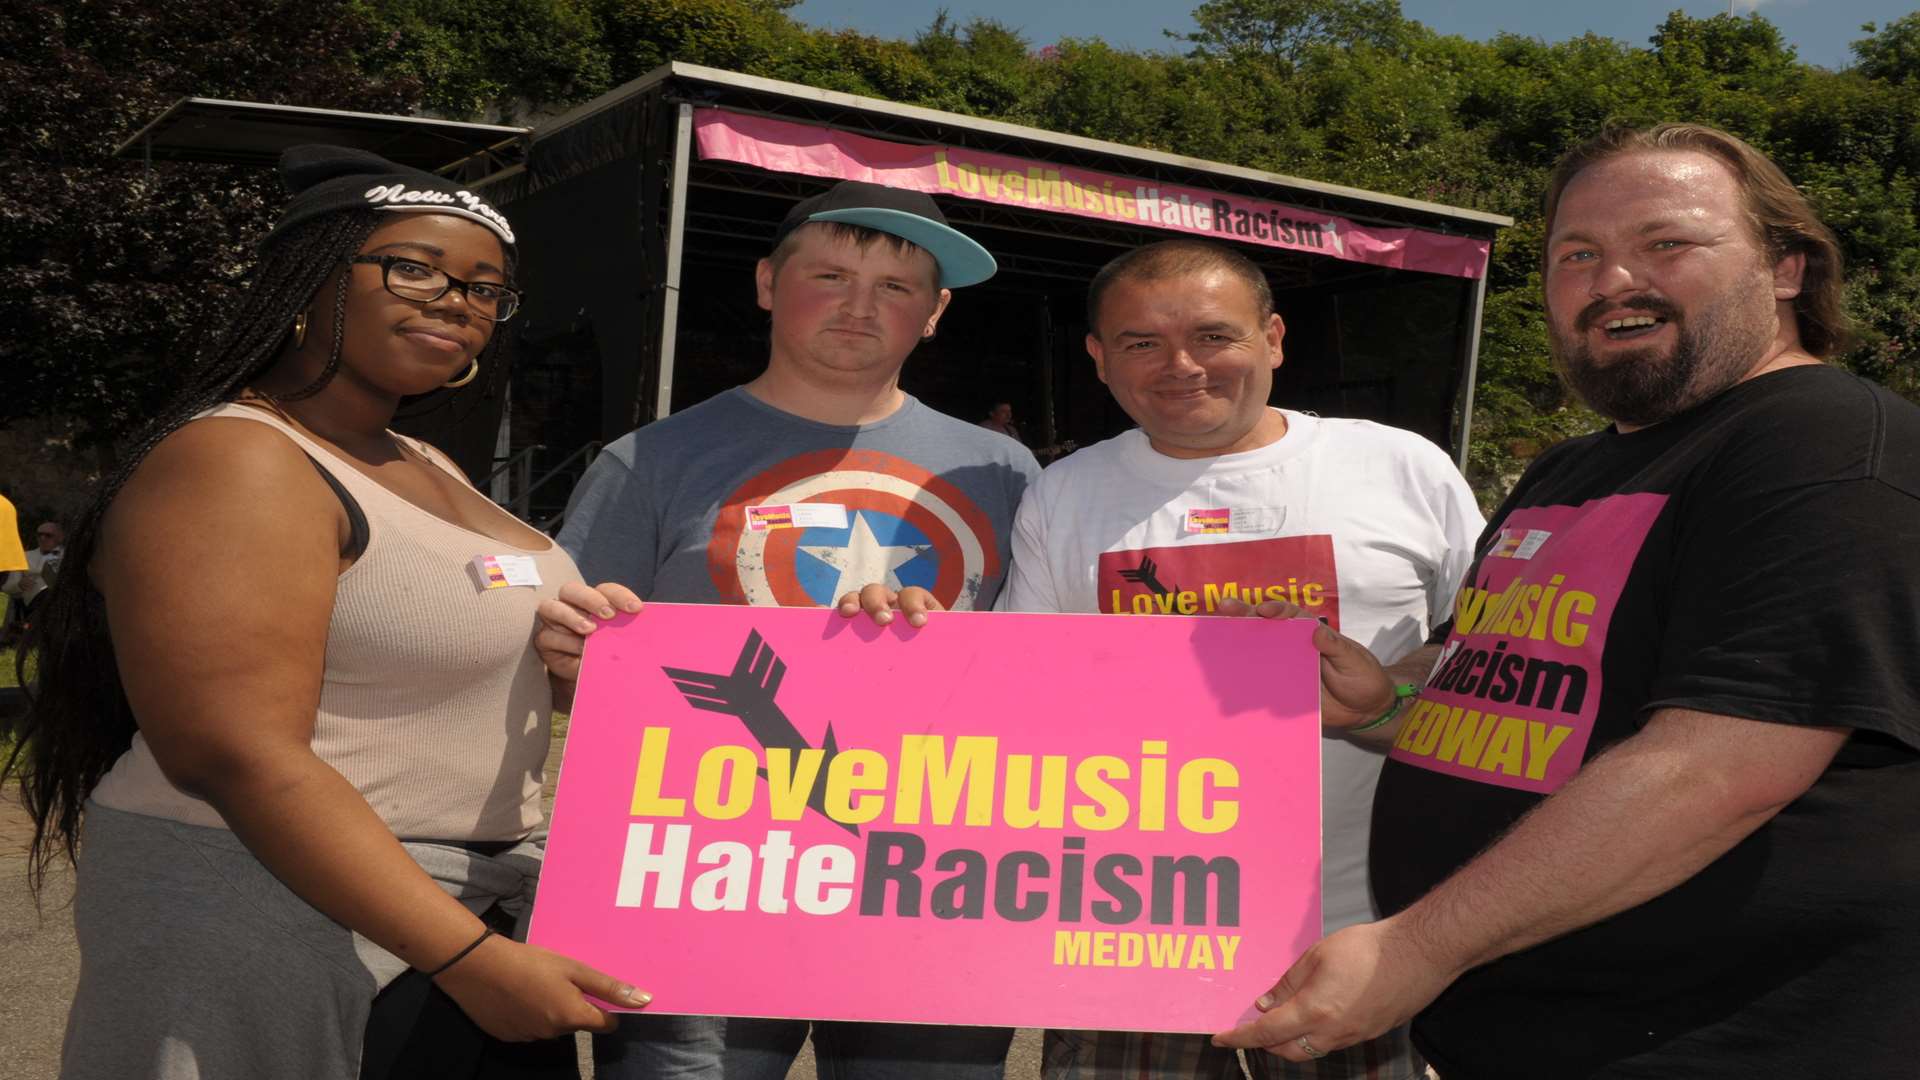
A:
[413, 280]
[48, 536]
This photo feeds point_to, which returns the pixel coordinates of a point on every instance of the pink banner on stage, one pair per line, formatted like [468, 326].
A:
[784, 146]
[1074, 821]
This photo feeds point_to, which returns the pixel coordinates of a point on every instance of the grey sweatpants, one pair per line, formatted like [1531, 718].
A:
[196, 963]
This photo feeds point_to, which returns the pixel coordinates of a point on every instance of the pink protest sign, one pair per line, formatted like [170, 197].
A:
[961, 172]
[1026, 820]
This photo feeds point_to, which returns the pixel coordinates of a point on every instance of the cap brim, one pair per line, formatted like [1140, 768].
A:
[961, 261]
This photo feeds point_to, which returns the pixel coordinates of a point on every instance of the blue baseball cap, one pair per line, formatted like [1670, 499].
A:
[912, 216]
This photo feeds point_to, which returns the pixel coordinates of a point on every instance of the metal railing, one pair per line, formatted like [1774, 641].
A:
[520, 464]
[523, 484]
[585, 455]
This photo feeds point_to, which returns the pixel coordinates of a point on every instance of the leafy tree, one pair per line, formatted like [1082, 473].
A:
[640, 35]
[984, 66]
[1891, 55]
[1088, 87]
[489, 62]
[1286, 29]
[1746, 52]
[115, 266]
[116, 270]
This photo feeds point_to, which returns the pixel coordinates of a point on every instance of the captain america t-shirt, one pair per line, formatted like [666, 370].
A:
[1755, 557]
[734, 501]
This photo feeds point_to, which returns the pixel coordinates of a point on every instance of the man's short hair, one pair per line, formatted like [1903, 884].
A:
[1783, 221]
[858, 235]
[1176, 258]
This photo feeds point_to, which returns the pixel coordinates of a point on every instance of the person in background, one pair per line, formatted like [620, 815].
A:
[13, 560]
[24, 588]
[1000, 419]
[43, 565]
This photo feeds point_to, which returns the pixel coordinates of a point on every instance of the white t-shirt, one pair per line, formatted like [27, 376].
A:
[1368, 525]
[29, 583]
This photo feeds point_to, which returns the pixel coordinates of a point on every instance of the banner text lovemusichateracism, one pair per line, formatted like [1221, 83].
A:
[930, 780]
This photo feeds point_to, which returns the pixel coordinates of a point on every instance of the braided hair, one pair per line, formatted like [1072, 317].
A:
[78, 720]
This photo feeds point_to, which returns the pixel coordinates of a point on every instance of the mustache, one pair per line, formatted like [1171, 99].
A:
[1652, 305]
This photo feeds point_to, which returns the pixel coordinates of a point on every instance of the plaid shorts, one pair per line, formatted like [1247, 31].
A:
[1134, 1055]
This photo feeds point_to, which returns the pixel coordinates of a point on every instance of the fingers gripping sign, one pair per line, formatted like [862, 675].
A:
[520, 992]
[1354, 688]
[880, 602]
[1352, 986]
[1266, 609]
[567, 619]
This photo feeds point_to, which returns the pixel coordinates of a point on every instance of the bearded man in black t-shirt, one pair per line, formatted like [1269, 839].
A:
[1651, 813]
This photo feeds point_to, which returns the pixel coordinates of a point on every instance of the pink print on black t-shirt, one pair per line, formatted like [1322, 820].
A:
[1514, 695]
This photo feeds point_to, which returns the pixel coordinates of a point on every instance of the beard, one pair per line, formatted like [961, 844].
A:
[1714, 349]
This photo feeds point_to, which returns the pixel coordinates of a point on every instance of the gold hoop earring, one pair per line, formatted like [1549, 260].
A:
[472, 372]
[299, 330]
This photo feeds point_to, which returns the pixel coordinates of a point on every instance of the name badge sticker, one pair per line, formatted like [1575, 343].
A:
[796, 516]
[1245, 519]
[1519, 543]
[1209, 521]
[505, 571]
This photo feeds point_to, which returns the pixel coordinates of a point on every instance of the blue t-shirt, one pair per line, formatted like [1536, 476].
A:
[735, 501]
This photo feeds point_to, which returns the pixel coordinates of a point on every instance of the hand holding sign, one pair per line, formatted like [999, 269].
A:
[566, 620]
[1354, 985]
[521, 992]
[1354, 687]
[880, 602]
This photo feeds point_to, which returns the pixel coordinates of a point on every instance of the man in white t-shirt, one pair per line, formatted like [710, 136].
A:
[1216, 503]
[25, 587]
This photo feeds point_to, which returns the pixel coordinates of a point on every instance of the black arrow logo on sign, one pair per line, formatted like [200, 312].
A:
[748, 693]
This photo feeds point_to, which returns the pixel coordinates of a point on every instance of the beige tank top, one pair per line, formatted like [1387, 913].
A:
[434, 704]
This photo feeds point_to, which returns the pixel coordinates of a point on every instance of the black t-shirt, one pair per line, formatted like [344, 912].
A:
[1756, 557]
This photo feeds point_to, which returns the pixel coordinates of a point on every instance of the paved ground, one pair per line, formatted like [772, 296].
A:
[39, 963]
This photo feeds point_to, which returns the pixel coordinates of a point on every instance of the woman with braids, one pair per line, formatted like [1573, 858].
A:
[312, 762]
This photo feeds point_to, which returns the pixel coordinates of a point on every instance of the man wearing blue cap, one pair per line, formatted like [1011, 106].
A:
[819, 482]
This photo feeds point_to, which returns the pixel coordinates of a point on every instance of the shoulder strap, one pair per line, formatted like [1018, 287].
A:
[357, 533]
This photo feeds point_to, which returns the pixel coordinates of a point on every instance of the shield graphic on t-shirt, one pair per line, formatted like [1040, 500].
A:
[902, 526]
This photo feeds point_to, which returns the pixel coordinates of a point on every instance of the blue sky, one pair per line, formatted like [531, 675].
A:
[1821, 31]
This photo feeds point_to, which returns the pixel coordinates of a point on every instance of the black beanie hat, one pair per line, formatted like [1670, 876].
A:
[331, 179]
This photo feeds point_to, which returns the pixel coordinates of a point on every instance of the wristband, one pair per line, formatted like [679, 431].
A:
[1400, 695]
[462, 954]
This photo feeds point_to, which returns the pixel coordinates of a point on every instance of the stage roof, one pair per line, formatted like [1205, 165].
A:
[912, 123]
[212, 131]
